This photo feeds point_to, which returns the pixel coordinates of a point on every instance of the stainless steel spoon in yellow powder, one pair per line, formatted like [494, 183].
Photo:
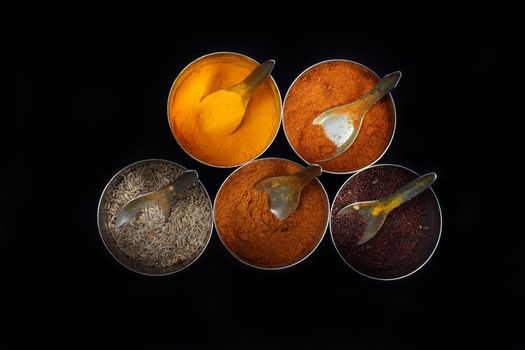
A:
[221, 112]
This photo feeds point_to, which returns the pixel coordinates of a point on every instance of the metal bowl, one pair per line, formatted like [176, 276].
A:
[186, 70]
[430, 249]
[300, 258]
[389, 96]
[109, 242]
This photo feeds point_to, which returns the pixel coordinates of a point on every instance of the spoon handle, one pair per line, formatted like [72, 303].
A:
[308, 174]
[387, 84]
[249, 85]
[375, 212]
[410, 190]
[180, 184]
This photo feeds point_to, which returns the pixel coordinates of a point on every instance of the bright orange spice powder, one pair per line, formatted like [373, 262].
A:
[200, 79]
[249, 229]
[327, 85]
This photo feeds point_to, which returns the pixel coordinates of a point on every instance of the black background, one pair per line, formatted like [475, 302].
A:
[87, 91]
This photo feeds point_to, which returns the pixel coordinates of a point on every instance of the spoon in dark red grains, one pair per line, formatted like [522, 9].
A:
[284, 192]
[164, 198]
[375, 212]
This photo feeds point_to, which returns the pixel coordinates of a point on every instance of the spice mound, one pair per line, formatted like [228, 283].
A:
[327, 85]
[220, 113]
[149, 239]
[208, 128]
[408, 236]
[252, 233]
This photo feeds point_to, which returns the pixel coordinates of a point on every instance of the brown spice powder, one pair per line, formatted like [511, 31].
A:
[252, 232]
[325, 86]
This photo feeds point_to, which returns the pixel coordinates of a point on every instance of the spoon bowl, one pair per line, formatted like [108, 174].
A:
[164, 198]
[342, 124]
[231, 101]
[284, 192]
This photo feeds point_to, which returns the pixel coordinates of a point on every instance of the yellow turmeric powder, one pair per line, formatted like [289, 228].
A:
[209, 129]
[220, 113]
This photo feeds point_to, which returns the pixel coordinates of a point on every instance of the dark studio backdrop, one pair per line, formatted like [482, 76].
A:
[87, 90]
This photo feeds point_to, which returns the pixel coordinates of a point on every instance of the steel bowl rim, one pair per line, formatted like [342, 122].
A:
[172, 127]
[433, 249]
[266, 268]
[113, 178]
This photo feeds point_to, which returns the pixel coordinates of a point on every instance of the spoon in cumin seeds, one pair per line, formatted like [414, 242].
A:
[375, 212]
[164, 198]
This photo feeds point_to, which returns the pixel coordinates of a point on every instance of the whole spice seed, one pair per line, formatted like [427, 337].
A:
[328, 85]
[406, 239]
[148, 239]
[204, 128]
[252, 232]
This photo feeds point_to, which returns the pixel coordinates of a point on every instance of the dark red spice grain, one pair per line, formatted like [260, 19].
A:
[406, 239]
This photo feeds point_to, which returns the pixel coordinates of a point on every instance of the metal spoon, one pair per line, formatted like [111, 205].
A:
[341, 124]
[284, 192]
[375, 212]
[245, 89]
[164, 198]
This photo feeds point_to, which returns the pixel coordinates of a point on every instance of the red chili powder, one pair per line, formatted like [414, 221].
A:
[328, 85]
